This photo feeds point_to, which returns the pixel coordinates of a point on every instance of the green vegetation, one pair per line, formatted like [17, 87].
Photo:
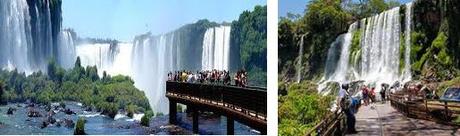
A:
[145, 120]
[301, 108]
[434, 45]
[355, 54]
[435, 40]
[80, 127]
[191, 42]
[435, 37]
[323, 20]
[131, 109]
[249, 38]
[444, 85]
[2, 96]
[402, 50]
[107, 94]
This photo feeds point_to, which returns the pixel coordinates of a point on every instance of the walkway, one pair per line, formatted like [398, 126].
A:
[243, 104]
[384, 120]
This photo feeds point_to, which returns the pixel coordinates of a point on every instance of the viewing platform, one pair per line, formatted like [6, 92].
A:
[247, 105]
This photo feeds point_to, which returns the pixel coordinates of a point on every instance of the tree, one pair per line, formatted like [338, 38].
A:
[78, 62]
[249, 38]
[2, 94]
[51, 69]
[131, 109]
[80, 127]
[145, 120]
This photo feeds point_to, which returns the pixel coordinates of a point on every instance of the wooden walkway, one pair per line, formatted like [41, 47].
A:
[380, 119]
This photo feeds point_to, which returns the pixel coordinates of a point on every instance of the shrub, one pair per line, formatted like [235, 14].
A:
[80, 128]
[110, 109]
[145, 120]
[130, 109]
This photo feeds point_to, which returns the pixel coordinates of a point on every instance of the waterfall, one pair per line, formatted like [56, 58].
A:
[147, 60]
[380, 47]
[153, 58]
[299, 64]
[30, 34]
[27, 40]
[15, 37]
[99, 55]
[340, 69]
[379, 54]
[66, 49]
[337, 70]
[407, 76]
[216, 48]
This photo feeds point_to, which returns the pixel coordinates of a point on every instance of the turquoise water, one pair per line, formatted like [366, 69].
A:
[20, 124]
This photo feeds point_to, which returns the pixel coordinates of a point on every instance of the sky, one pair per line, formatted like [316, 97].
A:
[124, 19]
[298, 6]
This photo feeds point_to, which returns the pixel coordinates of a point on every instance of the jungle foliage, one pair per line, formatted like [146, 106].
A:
[249, 38]
[106, 94]
[301, 107]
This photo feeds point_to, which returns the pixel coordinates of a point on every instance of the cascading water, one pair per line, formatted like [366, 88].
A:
[152, 58]
[31, 35]
[379, 54]
[15, 37]
[341, 72]
[407, 75]
[99, 55]
[66, 49]
[340, 69]
[27, 40]
[216, 48]
[299, 64]
[149, 58]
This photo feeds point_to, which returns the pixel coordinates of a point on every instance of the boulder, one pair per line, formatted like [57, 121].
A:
[69, 112]
[68, 123]
[51, 120]
[88, 108]
[44, 124]
[31, 105]
[33, 113]
[10, 111]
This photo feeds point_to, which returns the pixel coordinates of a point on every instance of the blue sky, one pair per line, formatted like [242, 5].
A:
[298, 6]
[124, 19]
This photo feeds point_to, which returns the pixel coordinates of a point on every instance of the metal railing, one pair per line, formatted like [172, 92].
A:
[248, 100]
[441, 111]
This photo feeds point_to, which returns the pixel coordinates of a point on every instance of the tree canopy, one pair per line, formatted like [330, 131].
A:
[249, 38]
[77, 84]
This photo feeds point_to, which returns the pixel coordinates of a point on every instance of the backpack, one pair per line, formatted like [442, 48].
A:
[345, 102]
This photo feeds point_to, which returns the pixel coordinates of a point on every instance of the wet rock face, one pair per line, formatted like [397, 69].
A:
[69, 112]
[68, 123]
[44, 124]
[51, 120]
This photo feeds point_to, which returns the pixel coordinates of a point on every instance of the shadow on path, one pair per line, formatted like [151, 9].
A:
[380, 119]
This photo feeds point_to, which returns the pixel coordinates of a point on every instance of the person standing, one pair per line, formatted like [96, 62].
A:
[372, 94]
[382, 92]
[345, 101]
[365, 92]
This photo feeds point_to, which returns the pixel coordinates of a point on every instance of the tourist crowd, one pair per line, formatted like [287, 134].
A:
[210, 77]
